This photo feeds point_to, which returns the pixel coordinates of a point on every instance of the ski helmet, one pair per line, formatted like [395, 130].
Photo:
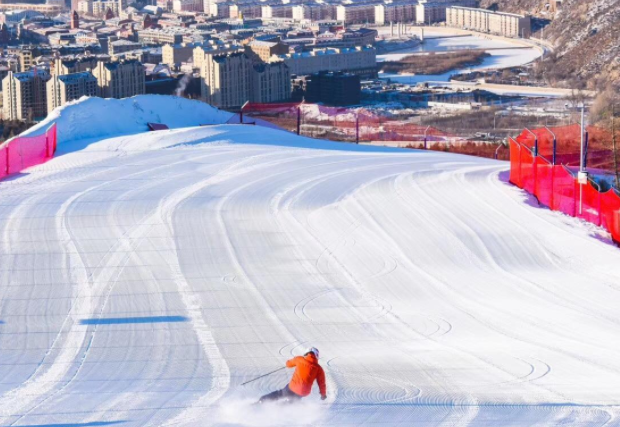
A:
[314, 351]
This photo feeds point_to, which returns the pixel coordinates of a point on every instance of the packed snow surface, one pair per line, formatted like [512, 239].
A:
[144, 277]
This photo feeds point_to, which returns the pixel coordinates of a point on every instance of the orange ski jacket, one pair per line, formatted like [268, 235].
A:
[307, 370]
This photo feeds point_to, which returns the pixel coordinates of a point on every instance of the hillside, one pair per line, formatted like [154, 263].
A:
[144, 277]
[587, 37]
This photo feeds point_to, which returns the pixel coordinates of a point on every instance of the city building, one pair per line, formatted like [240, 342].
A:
[333, 88]
[175, 54]
[395, 12]
[356, 13]
[75, 20]
[360, 60]
[122, 45]
[121, 79]
[225, 79]
[270, 82]
[61, 66]
[68, 87]
[24, 95]
[435, 11]
[265, 50]
[277, 11]
[486, 21]
[202, 52]
[314, 12]
[157, 36]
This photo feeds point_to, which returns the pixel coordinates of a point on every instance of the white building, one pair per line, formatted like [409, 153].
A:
[331, 59]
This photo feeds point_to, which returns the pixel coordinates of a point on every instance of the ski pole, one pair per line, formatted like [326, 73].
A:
[258, 378]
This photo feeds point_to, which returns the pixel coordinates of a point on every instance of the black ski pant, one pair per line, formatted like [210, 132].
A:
[285, 393]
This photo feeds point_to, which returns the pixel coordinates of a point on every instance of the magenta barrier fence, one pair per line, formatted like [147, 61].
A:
[27, 151]
[558, 189]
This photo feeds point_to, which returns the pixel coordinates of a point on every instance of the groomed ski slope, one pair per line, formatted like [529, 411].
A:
[143, 278]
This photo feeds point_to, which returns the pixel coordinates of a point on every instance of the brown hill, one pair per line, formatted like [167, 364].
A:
[586, 34]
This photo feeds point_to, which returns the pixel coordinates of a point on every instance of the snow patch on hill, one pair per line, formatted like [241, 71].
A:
[98, 117]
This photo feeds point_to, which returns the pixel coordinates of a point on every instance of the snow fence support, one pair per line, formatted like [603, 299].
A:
[27, 151]
[557, 188]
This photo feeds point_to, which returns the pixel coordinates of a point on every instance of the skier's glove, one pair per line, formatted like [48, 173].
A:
[323, 397]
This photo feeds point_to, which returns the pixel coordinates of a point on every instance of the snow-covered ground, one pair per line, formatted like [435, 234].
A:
[502, 51]
[144, 277]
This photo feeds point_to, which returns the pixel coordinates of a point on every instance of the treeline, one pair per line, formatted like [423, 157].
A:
[434, 63]
[11, 128]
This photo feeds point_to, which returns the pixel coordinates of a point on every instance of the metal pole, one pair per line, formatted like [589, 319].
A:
[555, 144]
[581, 165]
[582, 136]
[269, 373]
[425, 131]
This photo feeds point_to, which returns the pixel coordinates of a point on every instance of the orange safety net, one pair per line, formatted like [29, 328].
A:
[564, 184]
[24, 152]
[4, 164]
[555, 187]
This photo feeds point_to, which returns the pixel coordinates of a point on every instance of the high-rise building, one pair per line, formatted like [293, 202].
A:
[62, 66]
[68, 87]
[225, 79]
[121, 79]
[270, 82]
[231, 79]
[24, 95]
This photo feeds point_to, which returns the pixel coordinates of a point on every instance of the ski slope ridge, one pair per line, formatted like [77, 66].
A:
[145, 276]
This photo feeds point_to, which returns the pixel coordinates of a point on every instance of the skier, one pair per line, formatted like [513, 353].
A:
[307, 370]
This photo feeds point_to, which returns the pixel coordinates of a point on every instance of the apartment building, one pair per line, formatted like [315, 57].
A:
[62, 66]
[249, 10]
[24, 95]
[265, 50]
[68, 87]
[435, 11]
[395, 12]
[314, 12]
[486, 21]
[120, 79]
[229, 80]
[277, 11]
[202, 52]
[156, 36]
[356, 13]
[270, 82]
[175, 54]
[360, 59]
[225, 79]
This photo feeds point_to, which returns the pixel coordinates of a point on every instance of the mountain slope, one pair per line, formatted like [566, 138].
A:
[587, 38]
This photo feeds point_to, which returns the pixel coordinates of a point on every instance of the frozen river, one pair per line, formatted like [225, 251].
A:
[503, 53]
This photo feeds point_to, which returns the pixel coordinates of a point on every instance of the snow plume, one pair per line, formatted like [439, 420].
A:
[242, 412]
[180, 90]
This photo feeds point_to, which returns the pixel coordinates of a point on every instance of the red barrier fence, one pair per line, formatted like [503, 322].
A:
[23, 152]
[557, 188]
[345, 124]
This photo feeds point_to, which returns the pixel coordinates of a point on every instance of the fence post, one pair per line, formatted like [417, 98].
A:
[299, 120]
[357, 129]
[47, 145]
[585, 151]
[8, 146]
[575, 191]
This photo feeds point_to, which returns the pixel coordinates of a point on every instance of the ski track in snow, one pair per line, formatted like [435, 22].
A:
[141, 285]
